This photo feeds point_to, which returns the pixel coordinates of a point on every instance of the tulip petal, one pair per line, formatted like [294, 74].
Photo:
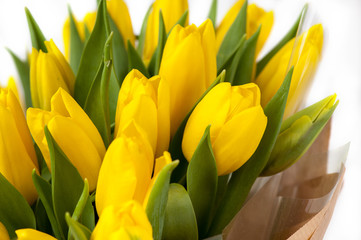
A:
[122, 176]
[250, 125]
[212, 110]
[65, 132]
[15, 164]
[32, 234]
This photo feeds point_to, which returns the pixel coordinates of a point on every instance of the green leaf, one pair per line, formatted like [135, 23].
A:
[175, 147]
[244, 71]
[212, 15]
[77, 230]
[113, 97]
[157, 201]
[97, 102]
[231, 40]
[76, 44]
[37, 37]
[44, 190]
[154, 64]
[42, 220]
[181, 21]
[202, 180]
[232, 65]
[92, 55]
[180, 220]
[67, 184]
[242, 180]
[141, 39]
[24, 73]
[15, 212]
[120, 55]
[298, 137]
[135, 61]
[290, 34]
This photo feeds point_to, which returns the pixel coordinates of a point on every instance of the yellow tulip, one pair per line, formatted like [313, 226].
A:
[119, 13]
[32, 234]
[172, 12]
[126, 170]
[13, 87]
[146, 101]
[256, 16]
[237, 125]
[73, 131]
[88, 22]
[4, 235]
[127, 221]
[189, 66]
[48, 72]
[18, 158]
[305, 57]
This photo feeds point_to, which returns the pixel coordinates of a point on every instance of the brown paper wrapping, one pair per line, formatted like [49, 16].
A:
[296, 204]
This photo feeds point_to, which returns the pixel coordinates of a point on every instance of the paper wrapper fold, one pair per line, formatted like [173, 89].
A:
[296, 204]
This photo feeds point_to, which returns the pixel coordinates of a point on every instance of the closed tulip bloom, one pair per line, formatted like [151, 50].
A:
[146, 101]
[256, 16]
[172, 12]
[73, 131]
[88, 22]
[237, 125]
[48, 72]
[119, 13]
[18, 158]
[305, 58]
[127, 221]
[189, 67]
[126, 170]
[32, 234]
[3, 232]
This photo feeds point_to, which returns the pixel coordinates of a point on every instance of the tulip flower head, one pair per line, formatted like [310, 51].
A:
[237, 125]
[306, 53]
[127, 169]
[172, 12]
[81, 26]
[73, 131]
[146, 101]
[127, 221]
[256, 17]
[189, 67]
[18, 158]
[49, 72]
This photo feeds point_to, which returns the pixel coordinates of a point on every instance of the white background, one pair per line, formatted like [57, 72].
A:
[339, 71]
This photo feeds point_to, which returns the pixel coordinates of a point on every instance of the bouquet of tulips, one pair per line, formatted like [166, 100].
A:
[156, 136]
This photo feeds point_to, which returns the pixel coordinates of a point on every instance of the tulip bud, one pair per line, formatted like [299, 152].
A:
[88, 22]
[172, 11]
[189, 67]
[126, 170]
[305, 54]
[297, 134]
[119, 13]
[256, 16]
[73, 131]
[48, 72]
[32, 234]
[146, 101]
[237, 125]
[4, 235]
[18, 158]
[127, 221]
